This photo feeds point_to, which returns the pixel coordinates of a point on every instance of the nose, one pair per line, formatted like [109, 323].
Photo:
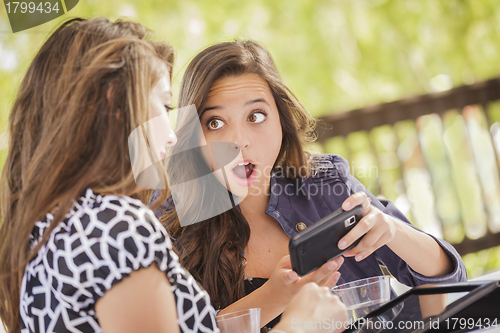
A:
[241, 138]
[171, 138]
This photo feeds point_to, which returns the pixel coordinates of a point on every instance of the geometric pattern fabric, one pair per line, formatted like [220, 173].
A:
[101, 241]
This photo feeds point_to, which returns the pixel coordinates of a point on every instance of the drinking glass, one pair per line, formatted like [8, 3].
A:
[363, 296]
[244, 321]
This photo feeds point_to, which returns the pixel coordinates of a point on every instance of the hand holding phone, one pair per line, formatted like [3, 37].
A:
[314, 246]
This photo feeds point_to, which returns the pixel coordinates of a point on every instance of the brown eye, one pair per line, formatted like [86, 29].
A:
[215, 124]
[257, 117]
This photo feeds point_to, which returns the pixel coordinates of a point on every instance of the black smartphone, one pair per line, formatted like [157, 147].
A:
[314, 246]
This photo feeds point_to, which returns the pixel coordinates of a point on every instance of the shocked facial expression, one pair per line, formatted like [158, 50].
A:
[242, 110]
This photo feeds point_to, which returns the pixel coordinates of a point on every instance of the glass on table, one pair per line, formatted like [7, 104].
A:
[244, 321]
[363, 296]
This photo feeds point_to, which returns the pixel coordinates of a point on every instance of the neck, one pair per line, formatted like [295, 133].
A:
[254, 204]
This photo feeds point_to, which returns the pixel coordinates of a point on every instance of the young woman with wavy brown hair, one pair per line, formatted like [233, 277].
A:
[240, 255]
[87, 88]
[78, 250]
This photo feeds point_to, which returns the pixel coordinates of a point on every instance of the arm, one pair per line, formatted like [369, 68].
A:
[284, 283]
[142, 302]
[416, 248]
[398, 256]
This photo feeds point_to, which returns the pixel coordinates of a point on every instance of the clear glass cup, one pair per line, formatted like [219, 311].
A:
[244, 321]
[363, 296]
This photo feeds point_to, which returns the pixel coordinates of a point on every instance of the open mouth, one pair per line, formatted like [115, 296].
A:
[243, 170]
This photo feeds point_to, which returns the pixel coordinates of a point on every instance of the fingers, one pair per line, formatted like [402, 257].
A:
[324, 273]
[326, 304]
[378, 231]
[364, 252]
[370, 242]
[290, 276]
[332, 281]
[363, 226]
[325, 300]
[358, 198]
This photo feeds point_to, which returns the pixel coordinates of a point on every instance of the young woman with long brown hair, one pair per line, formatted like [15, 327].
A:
[78, 251]
[240, 256]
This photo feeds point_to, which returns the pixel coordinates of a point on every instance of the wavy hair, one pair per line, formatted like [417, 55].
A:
[87, 88]
[212, 250]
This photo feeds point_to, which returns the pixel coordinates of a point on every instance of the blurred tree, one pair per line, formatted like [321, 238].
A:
[336, 55]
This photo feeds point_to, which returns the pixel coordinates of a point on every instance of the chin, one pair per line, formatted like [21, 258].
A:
[232, 186]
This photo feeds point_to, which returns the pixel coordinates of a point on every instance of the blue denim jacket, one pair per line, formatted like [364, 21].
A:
[295, 204]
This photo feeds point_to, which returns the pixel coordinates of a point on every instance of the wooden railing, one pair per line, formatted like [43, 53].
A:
[468, 103]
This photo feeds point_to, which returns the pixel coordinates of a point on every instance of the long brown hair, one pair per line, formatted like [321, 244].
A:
[85, 91]
[212, 250]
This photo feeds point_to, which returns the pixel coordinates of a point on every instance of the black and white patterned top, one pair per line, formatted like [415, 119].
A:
[100, 242]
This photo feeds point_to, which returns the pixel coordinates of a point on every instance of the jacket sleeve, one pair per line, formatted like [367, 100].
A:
[397, 266]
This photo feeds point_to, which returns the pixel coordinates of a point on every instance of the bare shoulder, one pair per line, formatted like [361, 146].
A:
[141, 302]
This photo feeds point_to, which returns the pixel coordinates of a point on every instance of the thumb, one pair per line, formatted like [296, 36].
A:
[290, 276]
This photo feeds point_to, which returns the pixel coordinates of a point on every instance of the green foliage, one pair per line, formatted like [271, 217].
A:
[337, 55]
[482, 262]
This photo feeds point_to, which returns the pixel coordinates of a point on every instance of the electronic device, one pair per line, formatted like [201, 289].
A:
[317, 244]
[449, 307]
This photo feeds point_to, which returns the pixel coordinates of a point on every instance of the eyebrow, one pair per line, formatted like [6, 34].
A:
[258, 100]
[210, 108]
